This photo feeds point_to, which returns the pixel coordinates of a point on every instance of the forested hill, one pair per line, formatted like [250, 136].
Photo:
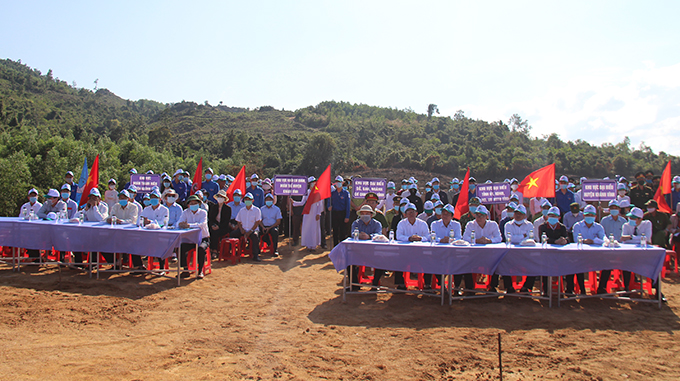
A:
[47, 126]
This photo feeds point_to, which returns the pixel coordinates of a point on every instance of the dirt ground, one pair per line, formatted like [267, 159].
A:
[284, 319]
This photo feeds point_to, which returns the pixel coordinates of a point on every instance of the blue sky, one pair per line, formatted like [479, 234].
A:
[596, 71]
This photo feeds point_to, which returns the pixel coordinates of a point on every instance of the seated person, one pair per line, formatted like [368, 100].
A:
[271, 219]
[371, 199]
[486, 232]
[124, 212]
[632, 233]
[661, 224]
[236, 205]
[155, 211]
[71, 206]
[573, 216]
[557, 234]
[248, 219]
[518, 229]
[543, 217]
[53, 203]
[613, 225]
[592, 234]
[428, 211]
[94, 211]
[194, 217]
[368, 228]
[444, 229]
[219, 215]
[410, 229]
[174, 210]
[32, 206]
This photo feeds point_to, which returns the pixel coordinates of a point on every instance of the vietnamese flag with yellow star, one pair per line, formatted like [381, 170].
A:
[539, 183]
[321, 191]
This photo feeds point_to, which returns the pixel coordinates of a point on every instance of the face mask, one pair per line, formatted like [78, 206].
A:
[248, 184]
[180, 178]
[33, 200]
[435, 187]
[237, 198]
[338, 185]
[404, 187]
[614, 212]
[269, 202]
[69, 180]
[344, 188]
[366, 218]
[473, 209]
[248, 202]
[172, 200]
[428, 189]
[563, 186]
[544, 212]
[519, 222]
[456, 186]
[112, 187]
[641, 182]
[123, 202]
[428, 211]
[622, 192]
[65, 195]
[438, 211]
[390, 191]
[402, 208]
[208, 176]
[553, 220]
[193, 207]
[632, 222]
[219, 199]
[514, 187]
[205, 198]
[147, 202]
[589, 220]
[472, 187]
[154, 201]
[651, 209]
[166, 183]
[575, 211]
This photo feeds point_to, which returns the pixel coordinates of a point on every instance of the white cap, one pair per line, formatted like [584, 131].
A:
[564, 178]
[676, 179]
[522, 209]
[428, 205]
[178, 172]
[254, 176]
[435, 179]
[222, 177]
[33, 190]
[215, 178]
[52, 193]
[636, 212]
[613, 203]
[339, 178]
[554, 210]
[403, 201]
[546, 202]
[482, 209]
[390, 184]
[311, 178]
[621, 186]
[624, 203]
[95, 192]
[589, 209]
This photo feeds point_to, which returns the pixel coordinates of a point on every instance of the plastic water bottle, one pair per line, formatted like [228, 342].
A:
[508, 239]
[472, 238]
[643, 241]
[355, 234]
[24, 213]
[452, 237]
[579, 244]
[611, 240]
[31, 215]
[433, 238]
[81, 217]
[544, 240]
[531, 234]
[391, 236]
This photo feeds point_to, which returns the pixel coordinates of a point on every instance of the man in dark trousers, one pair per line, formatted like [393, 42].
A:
[340, 209]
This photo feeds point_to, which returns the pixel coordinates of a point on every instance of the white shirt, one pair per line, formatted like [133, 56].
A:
[405, 230]
[127, 214]
[196, 220]
[388, 203]
[249, 218]
[539, 221]
[97, 213]
[577, 199]
[535, 205]
[645, 228]
[28, 207]
[490, 231]
[441, 231]
[160, 214]
[521, 231]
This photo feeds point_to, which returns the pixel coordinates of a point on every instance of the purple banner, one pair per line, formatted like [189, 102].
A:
[145, 183]
[361, 187]
[598, 190]
[494, 193]
[285, 185]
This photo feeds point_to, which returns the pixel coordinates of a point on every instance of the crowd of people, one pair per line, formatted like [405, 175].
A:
[411, 215]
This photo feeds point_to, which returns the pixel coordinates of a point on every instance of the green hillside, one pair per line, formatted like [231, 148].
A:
[48, 126]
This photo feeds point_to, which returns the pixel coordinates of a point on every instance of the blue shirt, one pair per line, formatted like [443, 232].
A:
[613, 227]
[373, 228]
[443, 231]
[569, 219]
[235, 208]
[174, 213]
[563, 200]
[594, 232]
[270, 215]
[181, 189]
[212, 188]
[673, 199]
[340, 201]
[258, 195]
[74, 191]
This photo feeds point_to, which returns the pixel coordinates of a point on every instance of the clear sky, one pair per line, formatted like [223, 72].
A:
[590, 70]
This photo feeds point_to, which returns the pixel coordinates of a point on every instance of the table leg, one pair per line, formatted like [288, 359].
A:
[658, 291]
[196, 261]
[97, 263]
[344, 285]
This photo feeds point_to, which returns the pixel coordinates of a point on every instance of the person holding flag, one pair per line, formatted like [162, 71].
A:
[313, 202]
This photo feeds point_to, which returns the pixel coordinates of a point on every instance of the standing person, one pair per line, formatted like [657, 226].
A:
[111, 194]
[613, 225]
[390, 213]
[386, 204]
[640, 193]
[74, 186]
[179, 186]
[454, 191]
[543, 217]
[436, 189]
[219, 217]
[209, 187]
[253, 188]
[622, 193]
[194, 217]
[249, 219]
[271, 219]
[473, 204]
[414, 197]
[166, 183]
[340, 207]
[296, 217]
[592, 234]
[400, 210]
[564, 197]
[311, 229]
[673, 198]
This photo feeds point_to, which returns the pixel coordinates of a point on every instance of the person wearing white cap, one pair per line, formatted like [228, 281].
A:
[507, 216]
[209, 186]
[71, 206]
[249, 220]
[95, 210]
[564, 197]
[613, 225]
[577, 195]
[131, 172]
[592, 234]
[428, 211]
[436, 189]
[111, 194]
[510, 212]
[410, 229]
[194, 217]
[236, 205]
[454, 191]
[32, 204]
[340, 210]
[179, 185]
[622, 193]
[255, 190]
[519, 228]
[123, 212]
[222, 182]
[514, 185]
[74, 186]
[557, 235]
[443, 227]
[386, 204]
[53, 203]
[155, 211]
[486, 231]
[203, 197]
[543, 217]
[311, 228]
[437, 215]
[271, 220]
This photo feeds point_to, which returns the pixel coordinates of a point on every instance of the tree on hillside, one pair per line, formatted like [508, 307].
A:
[431, 109]
[318, 153]
[517, 124]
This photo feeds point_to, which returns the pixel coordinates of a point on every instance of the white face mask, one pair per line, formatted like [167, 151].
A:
[622, 192]
[514, 187]
[219, 199]
[651, 209]
[172, 199]
[112, 187]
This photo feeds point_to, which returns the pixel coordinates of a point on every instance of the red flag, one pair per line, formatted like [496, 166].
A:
[539, 183]
[462, 204]
[92, 181]
[664, 188]
[239, 183]
[197, 178]
[321, 191]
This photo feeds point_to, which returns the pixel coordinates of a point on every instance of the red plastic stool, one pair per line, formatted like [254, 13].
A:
[229, 249]
[667, 262]
[363, 278]
[207, 267]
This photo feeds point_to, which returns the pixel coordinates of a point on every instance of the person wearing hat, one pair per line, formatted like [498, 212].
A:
[340, 210]
[179, 185]
[219, 218]
[386, 204]
[132, 191]
[454, 191]
[131, 172]
[414, 197]
[209, 186]
[194, 217]
[673, 198]
[472, 189]
[399, 214]
[74, 186]
[235, 205]
[661, 224]
[410, 229]
[625, 207]
[390, 213]
[473, 204]
[592, 234]
[557, 234]
[622, 193]
[437, 215]
[271, 220]
[371, 199]
[174, 209]
[253, 188]
[543, 217]
[155, 211]
[443, 229]
[311, 227]
[111, 194]
[166, 183]
[514, 186]
[613, 225]
[428, 211]
[204, 199]
[249, 219]
[123, 212]
[641, 192]
[632, 233]
[53, 203]
[509, 213]
[436, 189]
[368, 228]
[146, 201]
[71, 206]
[486, 231]
[575, 215]
[32, 204]
[564, 197]
[222, 182]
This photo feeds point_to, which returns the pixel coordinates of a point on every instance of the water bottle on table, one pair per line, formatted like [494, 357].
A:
[544, 240]
[355, 234]
[508, 239]
[391, 236]
[643, 241]
[452, 237]
[472, 237]
[433, 238]
[579, 242]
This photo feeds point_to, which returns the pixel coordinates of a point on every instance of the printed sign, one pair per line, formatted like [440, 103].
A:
[494, 193]
[285, 185]
[598, 190]
[361, 187]
[145, 183]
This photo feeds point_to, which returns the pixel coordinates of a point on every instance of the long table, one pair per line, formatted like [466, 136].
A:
[94, 237]
[513, 260]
